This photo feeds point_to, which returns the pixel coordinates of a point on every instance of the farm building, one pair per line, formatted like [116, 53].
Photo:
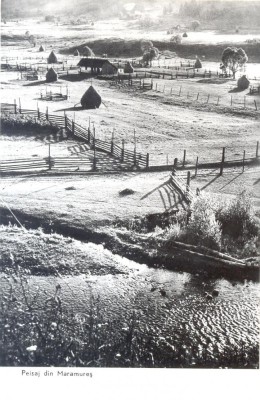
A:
[52, 59]
[91, 99]
[95, 64]
[51, 75]
[109, 69]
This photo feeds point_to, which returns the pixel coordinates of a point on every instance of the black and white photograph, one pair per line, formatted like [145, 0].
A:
[129, 191]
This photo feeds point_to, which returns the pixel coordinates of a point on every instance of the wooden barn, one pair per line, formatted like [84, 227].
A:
[109, 69]
[95, 64]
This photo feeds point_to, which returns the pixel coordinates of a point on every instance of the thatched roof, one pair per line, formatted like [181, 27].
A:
[41, 48]
[128, 68]
[91, 99]
[87, 52]
[52, 59]
[76, 53]
[243, 83]
[51, 75]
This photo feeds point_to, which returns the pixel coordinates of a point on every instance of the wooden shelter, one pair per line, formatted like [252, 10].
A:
[94, 63]
[51, 75]
[52, 59]
[91, 99]
[109, 69]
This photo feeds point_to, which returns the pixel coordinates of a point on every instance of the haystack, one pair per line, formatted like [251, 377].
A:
[243, 83]
[51, 75]
[76, 53]
[41, 48]
[197, 64]
[52, 59]
[128, 68]
[90, 99]
[185, 34]
[87, 52]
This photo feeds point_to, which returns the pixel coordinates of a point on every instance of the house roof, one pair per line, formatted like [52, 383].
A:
[92, 62]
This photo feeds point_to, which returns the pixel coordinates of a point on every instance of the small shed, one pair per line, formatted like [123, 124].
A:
[41, 48]
[128, 68]
[91, 99]
[52, 59]
[51, 75]
[109, 69]
[76, 53]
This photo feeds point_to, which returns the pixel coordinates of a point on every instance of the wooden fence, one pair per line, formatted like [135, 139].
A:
[127, 157]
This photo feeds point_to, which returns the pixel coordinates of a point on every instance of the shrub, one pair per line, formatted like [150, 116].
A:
[203, 228]
[237, 217]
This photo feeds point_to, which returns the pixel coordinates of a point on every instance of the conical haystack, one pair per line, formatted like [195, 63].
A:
[87, 52]
[76, 53]
[91, 99]
[197, 64]
[243, 83]
[52, 59]
[51, 75]
[41, 48]
[128, 68]
[185, 34]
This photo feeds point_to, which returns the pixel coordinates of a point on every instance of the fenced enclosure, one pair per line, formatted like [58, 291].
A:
[128, 159]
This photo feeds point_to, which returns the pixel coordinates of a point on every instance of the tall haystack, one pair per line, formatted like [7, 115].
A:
[87, 52]
[52, 59]
[41, 48]
[91, 99]
[185, 34]
[243, 83]
[76, 53]
[51, 75]
[197, 64]
[128, 68]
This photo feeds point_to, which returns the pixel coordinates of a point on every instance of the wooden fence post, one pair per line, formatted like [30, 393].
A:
[65, 120]
[147, 160]
[196, 166]
[112, 141]
[222, 161]
[49, 158]
[257, 149]
[180, 92]
[188, 182]
[123, 151]
[73, 127]
[184, 158]
[255, 105]
[20, 108]
[47, 114]
[15, 107]
[175, 162]
[198, 96]
[94, 150]
[208, 98]
[243, 162]
[218, 101]
[231, 101]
